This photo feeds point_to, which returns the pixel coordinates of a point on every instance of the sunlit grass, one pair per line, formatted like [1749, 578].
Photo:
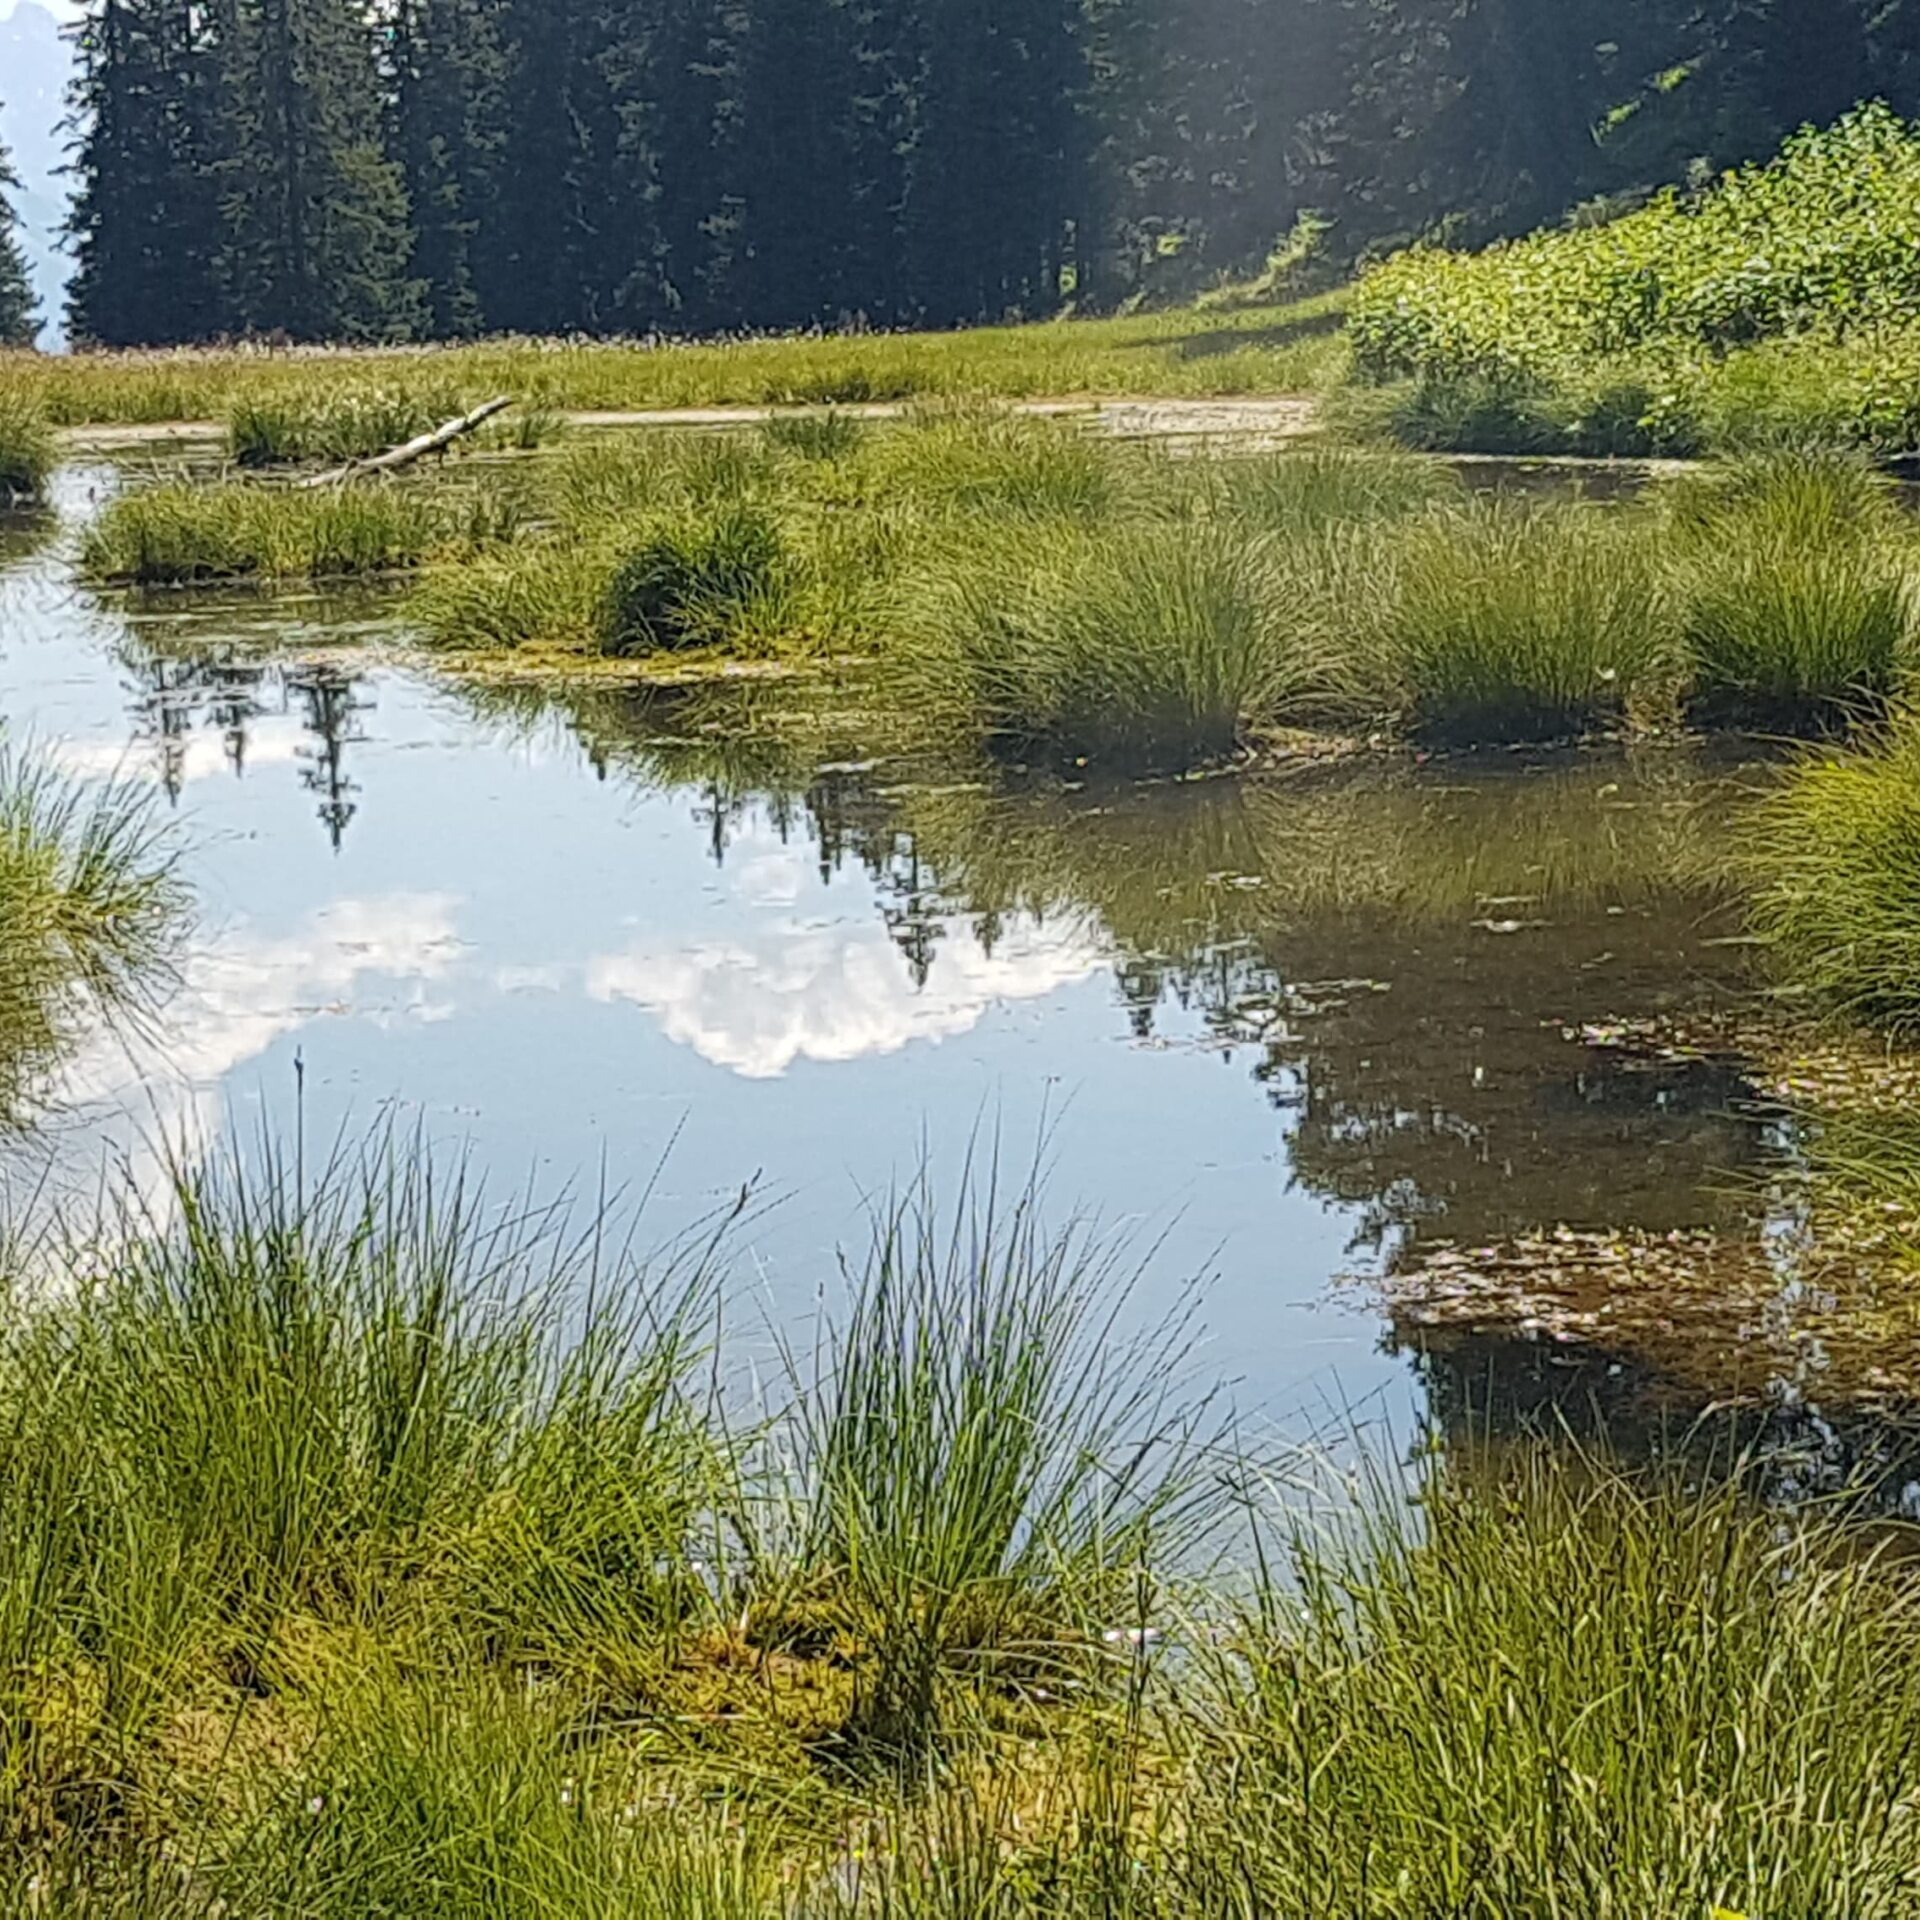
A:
[1152, 648]
[1835, 861]
[1508, 621]
[90, 909]
[1557, 1686]
[1795, 585]
[1271, 349]
[182, 534]
[26, 443]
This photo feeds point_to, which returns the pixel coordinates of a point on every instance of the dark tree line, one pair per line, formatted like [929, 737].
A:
[329, 169]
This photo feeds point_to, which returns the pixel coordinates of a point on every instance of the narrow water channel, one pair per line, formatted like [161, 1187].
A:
[1290, 1031]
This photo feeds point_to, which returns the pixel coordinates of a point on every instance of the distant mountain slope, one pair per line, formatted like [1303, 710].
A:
[35, 63]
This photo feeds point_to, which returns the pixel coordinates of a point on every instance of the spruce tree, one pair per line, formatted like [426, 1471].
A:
[144, 216]
[448, 76]
[316, 238]
[19, 311]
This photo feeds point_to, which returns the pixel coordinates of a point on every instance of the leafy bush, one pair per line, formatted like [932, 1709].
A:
[1829, 232]
[688, 578]
[1626, 321]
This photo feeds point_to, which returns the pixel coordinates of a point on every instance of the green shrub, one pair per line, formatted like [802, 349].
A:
[1775, 306]
[689, 579]
[1150, 648]
[1827, 232]
[1794, 597]
[26, 445]
[1835, 861]
[1508, 621]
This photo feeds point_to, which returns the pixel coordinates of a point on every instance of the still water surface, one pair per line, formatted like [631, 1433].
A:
[1282, 1030]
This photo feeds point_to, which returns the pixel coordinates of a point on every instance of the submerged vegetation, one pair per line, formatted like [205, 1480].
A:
[368, 1551]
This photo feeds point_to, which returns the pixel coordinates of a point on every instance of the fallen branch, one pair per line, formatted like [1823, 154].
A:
[404, 456]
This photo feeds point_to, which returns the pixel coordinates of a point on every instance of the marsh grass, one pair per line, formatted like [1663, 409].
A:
[26, 445]
[337, 421]
[978, 461]
[181, 534]
[1272, 349]
[816, 436]
[692, 581]
[90, 912]
[1795, 590]
[540, 594]
[1154, 648]
[1511, 621]
[351, 1529]
[991, 1468]
[1834, 856]
[1558, 1686]
[1305, 490]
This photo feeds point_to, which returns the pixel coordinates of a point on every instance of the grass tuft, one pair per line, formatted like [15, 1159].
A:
[1561, 1687]
[1835, 859]
[91, 909]
[690, 580]
[1507, 621]
[26, 444]
[1796, 600]
[180, 534]
[1149, 649]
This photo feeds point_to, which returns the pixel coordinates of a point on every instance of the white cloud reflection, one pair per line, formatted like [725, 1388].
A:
[756, 1004]
[202, 755]
[138, 1100]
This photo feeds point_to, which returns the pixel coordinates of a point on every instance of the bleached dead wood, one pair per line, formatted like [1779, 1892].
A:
[404, 456]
